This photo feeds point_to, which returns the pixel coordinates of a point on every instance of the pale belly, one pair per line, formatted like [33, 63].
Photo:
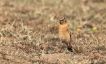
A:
[64, 36]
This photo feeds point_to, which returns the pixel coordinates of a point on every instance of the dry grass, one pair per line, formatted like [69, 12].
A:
[29, 31]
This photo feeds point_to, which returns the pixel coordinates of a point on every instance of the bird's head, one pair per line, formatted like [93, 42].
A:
[63, 21]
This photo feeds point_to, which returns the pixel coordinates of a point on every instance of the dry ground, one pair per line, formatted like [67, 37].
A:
[29, 31]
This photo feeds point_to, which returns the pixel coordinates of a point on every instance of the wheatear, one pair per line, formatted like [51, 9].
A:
[64, 33]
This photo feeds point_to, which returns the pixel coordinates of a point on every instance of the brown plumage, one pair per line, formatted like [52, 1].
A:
[64, 33]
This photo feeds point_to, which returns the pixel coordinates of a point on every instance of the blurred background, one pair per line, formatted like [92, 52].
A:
[29, 28]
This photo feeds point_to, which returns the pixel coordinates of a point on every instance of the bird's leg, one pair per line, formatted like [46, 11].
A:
[69, 47]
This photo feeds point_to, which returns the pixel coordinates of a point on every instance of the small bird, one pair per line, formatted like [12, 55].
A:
[64, 33]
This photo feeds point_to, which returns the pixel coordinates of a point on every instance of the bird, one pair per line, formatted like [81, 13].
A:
[64, 33]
